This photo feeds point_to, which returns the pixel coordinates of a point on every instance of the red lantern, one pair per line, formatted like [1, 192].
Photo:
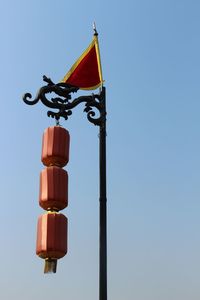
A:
[55, 146]
[53, 196]
[51, 239]
[53, 188]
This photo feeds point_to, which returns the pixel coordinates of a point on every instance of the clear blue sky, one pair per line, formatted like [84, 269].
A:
[151, 62]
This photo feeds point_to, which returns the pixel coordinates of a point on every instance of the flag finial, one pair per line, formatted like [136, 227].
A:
[95, 29]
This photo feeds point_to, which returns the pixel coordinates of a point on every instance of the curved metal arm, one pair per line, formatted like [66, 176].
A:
[64, 104]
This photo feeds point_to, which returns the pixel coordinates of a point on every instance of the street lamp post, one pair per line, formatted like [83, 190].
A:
[95, 108]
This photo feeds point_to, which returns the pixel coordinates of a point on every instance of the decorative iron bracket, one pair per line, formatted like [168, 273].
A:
[94, 104]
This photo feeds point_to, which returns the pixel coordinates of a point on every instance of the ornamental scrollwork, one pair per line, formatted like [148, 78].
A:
[63, 103]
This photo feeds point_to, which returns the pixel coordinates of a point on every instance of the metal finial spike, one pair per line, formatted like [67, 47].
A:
[95, 29]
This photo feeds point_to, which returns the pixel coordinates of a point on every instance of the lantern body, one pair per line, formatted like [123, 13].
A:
[51, 236]
[53, 193]
[55, 146]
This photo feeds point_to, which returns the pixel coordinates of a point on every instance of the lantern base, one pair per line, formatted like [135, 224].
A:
[50, 265]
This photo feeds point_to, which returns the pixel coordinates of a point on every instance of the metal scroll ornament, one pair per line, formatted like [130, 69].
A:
[63, 103]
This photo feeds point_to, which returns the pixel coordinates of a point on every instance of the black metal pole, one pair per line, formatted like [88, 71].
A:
[103, 200]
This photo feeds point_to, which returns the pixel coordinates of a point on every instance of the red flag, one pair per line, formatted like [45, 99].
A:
[86, 72]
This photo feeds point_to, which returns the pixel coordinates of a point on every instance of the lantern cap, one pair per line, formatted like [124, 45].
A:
[50, 265]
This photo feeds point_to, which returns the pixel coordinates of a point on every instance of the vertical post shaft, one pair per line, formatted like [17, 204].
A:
[102, 200]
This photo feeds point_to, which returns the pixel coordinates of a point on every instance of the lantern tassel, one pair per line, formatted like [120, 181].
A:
[50, 265]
